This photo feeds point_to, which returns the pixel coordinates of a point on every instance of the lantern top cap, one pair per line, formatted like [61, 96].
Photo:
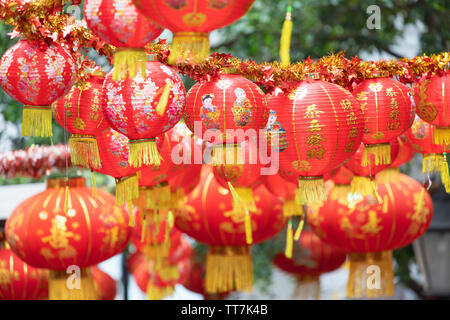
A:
[61, 182]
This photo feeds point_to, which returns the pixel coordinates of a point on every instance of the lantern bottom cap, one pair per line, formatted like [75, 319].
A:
[442, 136]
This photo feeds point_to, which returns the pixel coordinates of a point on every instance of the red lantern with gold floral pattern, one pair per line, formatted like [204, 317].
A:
[45, 234]
[312, 257]
[223, 106]
[208, 217]
[105, 285]
[36, 74]
[192, 20]
[388, 112]
[434, 155]
[118, 23]
[323, 125]
[79, 112]
[432, 98]
[369, 229]
[142, 108]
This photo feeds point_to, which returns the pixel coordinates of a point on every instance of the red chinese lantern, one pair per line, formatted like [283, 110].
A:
[36, 74]
[18, 280]
[431, 96]
[324, 125]
[142, 108]
[312, 257]
[208, 217]
[434, 155]
[405, 152]
[370, 229]
[192, 20]
[362, 182]
[79, 112]
[223, 106]
[118, 23]
[342, 179]
[113, 151]
[284, 190]
[105, 285]
[45, 235]
[388, 112]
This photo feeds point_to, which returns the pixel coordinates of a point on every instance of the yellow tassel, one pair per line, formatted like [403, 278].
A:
[143, 152]
[310, 190]
[228, 268]
[445, 174]
[375, 192]
[66, 199]
[127, 188]
[290, 208]
[156, 197]
[362, 185]
[381, 152]
[432, 162]
[442, 136]
[286, 34]
[192, 45]
[362, 267]
[169, 273]
[226, 154]
[164, 99]
[131, 221]
[144, 225]
[340, 191]
[36, 121]
[158, 293]
[170, 219]
[289, 241]
[59, 286]
[84, 151]
[248, 228]
[388, 175]
[298, 232]
[94, 184]
[128, 62]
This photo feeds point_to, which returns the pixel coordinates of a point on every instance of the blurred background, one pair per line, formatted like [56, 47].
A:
[407, 28]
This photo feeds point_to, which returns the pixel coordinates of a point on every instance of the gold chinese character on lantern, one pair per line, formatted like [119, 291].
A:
[362, 96]
[315, 126]
[351, 118]
[391, 93]
[312, 112]
[301, 165]
[346, 104]
[59, 236]
[315, 153]
[314, 140]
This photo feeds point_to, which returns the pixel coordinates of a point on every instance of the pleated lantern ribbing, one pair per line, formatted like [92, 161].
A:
[432, 96]
[420, 135]
[363, 176]
[119, 23]
[369, 230]
[46, 235]
[105, 285]
[312, 257]
[79, 112]
[388, 112]
[20, 281]
[208, 217]
[36, 74]
[142, 108]
[191, 21]
[113, 149]
[324, 127]
[229, 109]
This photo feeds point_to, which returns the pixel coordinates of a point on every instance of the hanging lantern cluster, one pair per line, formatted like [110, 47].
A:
[36, 74]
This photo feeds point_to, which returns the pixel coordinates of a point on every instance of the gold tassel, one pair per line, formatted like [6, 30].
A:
[445, 174]
[228, 268]
[58, 286]
[363, 281]
[228, 153]
[169, 273]
[193, 45]
[248, 228]
[84, 151]
[94, 184]
[432, 162]
[340, 191]
[144, 225]
[442, 136]
[298, 232]
[36, 121]
[131, 221]
[362, 185]
[310, 190]
[66, 198]
[286, 34]
[290, 208]
[143, 152]
[128, 62]
[289, 241]
[375, 191]
[155, 292]
[155, 197]
[127, 188]
[381, 152]
[164, 99]
[388, 175]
